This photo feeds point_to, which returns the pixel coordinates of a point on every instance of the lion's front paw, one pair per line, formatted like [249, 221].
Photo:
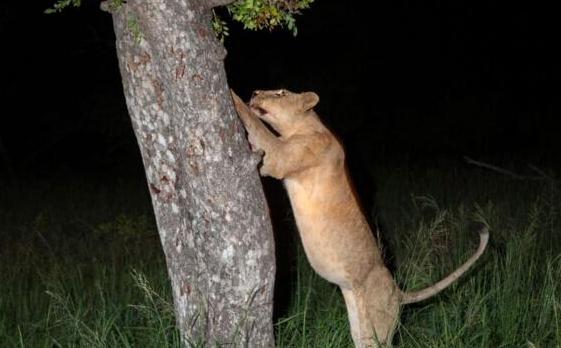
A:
[270, 168]
[254, 144]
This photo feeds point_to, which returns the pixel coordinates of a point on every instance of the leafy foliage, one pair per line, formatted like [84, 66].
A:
[268, 14]
[220, 27]
[115, 4]
[62, 4]
[253, 14]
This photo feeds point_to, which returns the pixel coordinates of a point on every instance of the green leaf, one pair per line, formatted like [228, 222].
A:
[61, 5]
[267, 14]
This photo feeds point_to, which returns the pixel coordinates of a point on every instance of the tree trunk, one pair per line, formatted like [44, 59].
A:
[209, 205]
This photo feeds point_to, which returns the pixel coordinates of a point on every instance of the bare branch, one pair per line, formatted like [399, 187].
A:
[494, 168]
[509, 173]
[542, 173]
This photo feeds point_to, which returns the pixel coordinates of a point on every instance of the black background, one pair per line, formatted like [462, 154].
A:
[398, 79]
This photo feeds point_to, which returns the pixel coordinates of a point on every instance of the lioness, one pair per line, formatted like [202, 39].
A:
[336, 237]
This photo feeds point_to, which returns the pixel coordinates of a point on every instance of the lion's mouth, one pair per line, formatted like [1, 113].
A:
[258, 110]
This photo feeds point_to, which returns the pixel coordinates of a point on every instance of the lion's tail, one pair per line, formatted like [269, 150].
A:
[416, 296]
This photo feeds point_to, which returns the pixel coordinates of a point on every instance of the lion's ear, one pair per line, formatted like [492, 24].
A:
[309, 100]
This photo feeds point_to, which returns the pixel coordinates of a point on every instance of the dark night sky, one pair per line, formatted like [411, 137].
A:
[424, 78]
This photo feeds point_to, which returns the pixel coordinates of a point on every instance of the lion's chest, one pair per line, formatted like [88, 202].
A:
[319, 231]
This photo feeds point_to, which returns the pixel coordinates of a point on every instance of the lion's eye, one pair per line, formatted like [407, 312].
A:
[281, 93]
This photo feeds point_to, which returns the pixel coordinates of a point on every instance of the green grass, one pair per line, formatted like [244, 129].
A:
[81, 266]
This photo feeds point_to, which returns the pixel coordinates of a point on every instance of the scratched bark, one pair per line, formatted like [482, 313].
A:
[208, 201]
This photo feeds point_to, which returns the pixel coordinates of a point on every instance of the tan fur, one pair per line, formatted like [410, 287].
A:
[336, 237]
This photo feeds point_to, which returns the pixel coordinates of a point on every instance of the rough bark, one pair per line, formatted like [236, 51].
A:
[208, 201]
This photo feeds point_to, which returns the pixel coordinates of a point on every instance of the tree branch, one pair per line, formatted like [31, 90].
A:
[494, 168]
[542, 175]
[106, 6]
[215, 3]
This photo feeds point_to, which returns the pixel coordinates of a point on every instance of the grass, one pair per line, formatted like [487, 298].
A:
[81, 266]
